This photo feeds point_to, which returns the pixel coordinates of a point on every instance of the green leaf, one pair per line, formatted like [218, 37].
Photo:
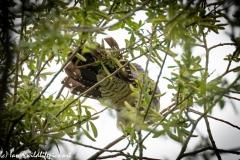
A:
[88, 135]
[168, 51]
[195, 88]
[89, 107]
[38, 122]
[87, 126]
[50, 117]
[102, 14]
[196, 69]
[159, 19]
[156, 61]
[79, 56]
[132, 136]
[94, 129]
[170, 86]
[158, 133]
[60, 134]
[116, 26]
[172, 66]
[173, 136]
[94, 118]
[132, 39]
[236, 69]
[54, 141]
[129, 107]
[118, 63]
[180, 81]
[106, 70]
[146, 96]
[221, 104]
[88, 113]
[73, 8]
[47, 73]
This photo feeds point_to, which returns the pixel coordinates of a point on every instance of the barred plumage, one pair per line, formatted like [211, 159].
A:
[113, 91]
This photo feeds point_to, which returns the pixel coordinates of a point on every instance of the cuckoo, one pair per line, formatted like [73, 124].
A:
[115, 91]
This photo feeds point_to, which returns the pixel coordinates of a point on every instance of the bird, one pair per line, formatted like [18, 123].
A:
[93, 66]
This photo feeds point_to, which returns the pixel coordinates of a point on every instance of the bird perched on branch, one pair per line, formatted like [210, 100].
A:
[114, 79]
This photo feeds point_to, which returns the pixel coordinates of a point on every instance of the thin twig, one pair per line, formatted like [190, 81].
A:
[140, 145]
[236, 92]
[220, 44]
[81, 144]
[37, 77]
[16, 79]
[207, 51]
[168, 108]
[75, 3]
[226, 72]
[205, 105]
[238, 99]
[211, 137]
[42, 68]
[61, 89]
[221, 120]
[96, 155]
[20, 64]
[233, 151]
[146, 72]
[125, 155]
[199, 45]
[229, 64]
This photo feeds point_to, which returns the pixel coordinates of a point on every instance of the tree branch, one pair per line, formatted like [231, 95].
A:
[96, 155]
[42, 68]
[81, 144]
[126, 155]
[220, 44]
[211, 137]
[238, 99]
[233, 151]
[221, 120]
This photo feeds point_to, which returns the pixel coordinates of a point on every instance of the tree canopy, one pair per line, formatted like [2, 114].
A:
[37, 36]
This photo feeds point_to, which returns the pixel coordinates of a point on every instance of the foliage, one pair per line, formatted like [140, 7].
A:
[35, 35]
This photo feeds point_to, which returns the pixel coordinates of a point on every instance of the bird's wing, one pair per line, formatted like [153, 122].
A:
[79, 80]
[84, 74]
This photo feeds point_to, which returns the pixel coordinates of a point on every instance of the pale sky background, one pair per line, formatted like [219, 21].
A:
[225, 136]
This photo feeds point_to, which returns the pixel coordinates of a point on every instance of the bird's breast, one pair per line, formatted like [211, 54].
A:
[114, 91]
